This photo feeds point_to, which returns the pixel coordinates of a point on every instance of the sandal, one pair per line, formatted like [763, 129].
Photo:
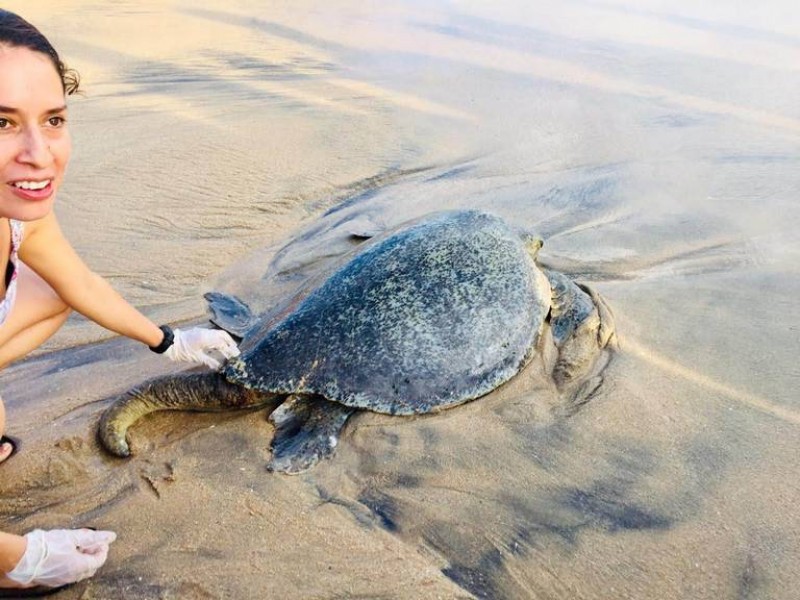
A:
[15, 445]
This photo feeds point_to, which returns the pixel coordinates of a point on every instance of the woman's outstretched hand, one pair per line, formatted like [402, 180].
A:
[60, 556]
[196, 344]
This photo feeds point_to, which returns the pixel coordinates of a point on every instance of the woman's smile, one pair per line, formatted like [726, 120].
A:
[30, 189]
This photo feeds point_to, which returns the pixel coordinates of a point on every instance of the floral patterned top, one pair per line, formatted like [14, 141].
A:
[7, 303]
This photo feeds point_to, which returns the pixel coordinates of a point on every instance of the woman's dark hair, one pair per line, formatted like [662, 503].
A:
[17, 32]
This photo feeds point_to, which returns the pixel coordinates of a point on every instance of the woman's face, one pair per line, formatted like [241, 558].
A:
[34, 141]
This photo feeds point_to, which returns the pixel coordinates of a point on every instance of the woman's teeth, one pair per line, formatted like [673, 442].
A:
[32, 185]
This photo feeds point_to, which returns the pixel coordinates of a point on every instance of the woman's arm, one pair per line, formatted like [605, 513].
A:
[12, 547]
[47, 251]
[52, 558]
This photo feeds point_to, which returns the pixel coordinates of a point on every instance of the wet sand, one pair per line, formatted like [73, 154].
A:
[239, 147]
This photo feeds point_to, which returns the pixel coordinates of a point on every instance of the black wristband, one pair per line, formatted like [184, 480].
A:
[169, 337]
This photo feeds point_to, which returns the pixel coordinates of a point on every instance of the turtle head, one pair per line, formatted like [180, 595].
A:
[533, 244]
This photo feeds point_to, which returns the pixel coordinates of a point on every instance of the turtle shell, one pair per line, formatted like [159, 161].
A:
[440, 311]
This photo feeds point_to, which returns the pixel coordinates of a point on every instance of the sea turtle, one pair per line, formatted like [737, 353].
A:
[437, 312]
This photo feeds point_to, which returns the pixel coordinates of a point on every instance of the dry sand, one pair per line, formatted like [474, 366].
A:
[236, 146]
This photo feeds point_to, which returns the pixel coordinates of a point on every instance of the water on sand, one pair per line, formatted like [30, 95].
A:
[655, 151]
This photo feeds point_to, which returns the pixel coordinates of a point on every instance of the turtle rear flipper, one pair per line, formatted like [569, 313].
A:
[306, 430]
[230, 313]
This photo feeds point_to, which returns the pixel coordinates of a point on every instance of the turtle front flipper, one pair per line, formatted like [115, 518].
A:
[204, 392]
[306, 430]
[583, 327]
[230, 313]
[364, 227]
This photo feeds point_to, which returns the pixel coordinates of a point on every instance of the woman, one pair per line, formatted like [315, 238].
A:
[44, 279]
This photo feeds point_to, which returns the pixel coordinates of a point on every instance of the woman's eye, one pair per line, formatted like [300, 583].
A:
[4, 123]
[56, 121]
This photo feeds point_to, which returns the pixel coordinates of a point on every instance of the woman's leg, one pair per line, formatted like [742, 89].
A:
[5, 449]
[37, 314]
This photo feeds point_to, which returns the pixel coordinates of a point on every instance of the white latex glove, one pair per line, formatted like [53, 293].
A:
[60, 556]
[196, 344]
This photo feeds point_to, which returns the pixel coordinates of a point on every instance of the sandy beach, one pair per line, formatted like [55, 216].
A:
[237, 146]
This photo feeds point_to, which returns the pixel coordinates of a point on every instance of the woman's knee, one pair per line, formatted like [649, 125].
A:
[63, 314]
[32, 289]
[35, 303]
